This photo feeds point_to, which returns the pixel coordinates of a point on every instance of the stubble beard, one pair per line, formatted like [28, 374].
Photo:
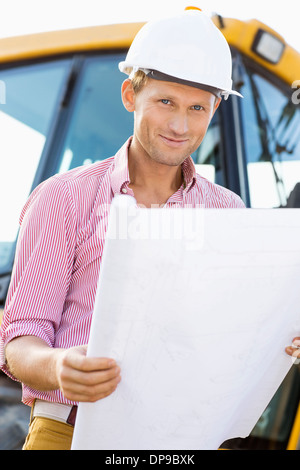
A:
[169, 157]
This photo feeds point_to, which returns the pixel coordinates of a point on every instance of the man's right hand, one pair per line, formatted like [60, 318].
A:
[83, 378]
[80, 378]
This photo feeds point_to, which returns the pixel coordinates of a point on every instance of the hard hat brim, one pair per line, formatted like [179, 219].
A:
[156, 75]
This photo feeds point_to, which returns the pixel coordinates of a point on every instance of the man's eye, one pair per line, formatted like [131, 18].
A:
[165, 101]
[197, 107]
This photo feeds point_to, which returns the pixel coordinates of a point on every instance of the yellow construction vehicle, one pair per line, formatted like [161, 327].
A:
[60, 107]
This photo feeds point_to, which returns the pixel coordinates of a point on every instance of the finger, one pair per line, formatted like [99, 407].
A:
[104, 389]
[88, 393]
[98, 377]
[291, 350]
[296, 342]
[295, 352]
[70, 375]
[76, 358]
[90, 364]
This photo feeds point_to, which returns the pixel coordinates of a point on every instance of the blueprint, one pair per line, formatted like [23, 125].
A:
[196, 306]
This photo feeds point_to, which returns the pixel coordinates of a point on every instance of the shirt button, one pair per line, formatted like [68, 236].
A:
[124, 190]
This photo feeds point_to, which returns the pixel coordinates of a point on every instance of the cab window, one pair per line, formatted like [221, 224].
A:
[271, 126]
[99, 124]
[31, 96]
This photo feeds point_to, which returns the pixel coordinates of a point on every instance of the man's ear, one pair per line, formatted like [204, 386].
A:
[128, 95]
[217, 104]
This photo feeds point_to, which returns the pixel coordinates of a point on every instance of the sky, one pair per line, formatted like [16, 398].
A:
[19, 17]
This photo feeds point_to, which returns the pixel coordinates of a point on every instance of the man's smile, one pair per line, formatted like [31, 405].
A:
[171, 142]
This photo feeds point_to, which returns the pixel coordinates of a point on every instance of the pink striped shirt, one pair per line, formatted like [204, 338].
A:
[60, 247]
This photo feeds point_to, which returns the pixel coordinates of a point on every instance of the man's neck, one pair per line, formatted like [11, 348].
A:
[152, 183]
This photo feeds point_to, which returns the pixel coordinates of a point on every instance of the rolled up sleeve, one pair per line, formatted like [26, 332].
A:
[43, 266]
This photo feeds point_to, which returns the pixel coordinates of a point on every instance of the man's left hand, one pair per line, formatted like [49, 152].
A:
[294, 349]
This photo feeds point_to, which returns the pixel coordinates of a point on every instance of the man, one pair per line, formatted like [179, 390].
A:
[179, 70]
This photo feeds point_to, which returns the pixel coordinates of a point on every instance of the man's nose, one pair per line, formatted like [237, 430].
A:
[178, 123]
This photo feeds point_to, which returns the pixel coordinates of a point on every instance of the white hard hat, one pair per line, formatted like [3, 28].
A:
[187, 48]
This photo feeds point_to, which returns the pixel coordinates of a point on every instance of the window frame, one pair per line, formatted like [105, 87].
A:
[284, 88]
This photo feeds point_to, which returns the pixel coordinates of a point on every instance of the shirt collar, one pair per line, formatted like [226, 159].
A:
[189, 174]
[120, 174]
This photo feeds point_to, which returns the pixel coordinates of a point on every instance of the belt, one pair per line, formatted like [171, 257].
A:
[57, 411]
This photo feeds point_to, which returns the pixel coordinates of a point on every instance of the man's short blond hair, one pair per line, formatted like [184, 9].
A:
[138, 81]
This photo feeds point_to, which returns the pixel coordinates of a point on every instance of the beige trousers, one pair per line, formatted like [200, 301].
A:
[48, 434]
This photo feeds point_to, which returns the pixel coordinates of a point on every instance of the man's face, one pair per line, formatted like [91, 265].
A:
[170, 119]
